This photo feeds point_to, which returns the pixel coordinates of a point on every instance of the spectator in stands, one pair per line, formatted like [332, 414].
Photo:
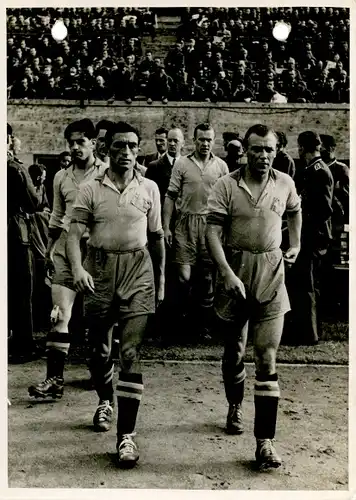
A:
[22, 90]
[190, 55]
[147, 63]
[343, 86]
[121, 84]
[243, 94]
[175, 58]
[148, 22]
[59, 68]
[142, 83]
[283, 161]
[193, 91]
[131, 28]
[225, 84]
[268, 93]
[100, 92]
[302, 94]
[88, 80]
[330, 92]
[160, 85]
[214, 93]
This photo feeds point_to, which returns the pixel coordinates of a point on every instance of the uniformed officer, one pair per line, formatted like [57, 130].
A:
[245, 212]
[341, 176]
[315, 185]
[22, 200]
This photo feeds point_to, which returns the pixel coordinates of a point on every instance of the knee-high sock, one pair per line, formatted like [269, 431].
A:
[57, 347]
[234, 381]
[101, 367]
[266, 405]
[129, 392]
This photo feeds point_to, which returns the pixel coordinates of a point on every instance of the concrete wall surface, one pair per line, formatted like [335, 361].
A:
[40, 124]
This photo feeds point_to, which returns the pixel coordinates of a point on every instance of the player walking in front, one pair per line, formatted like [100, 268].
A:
[118, 207]
[244, 236]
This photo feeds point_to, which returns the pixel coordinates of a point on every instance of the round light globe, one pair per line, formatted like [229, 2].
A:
[59, 31]
[281, 31]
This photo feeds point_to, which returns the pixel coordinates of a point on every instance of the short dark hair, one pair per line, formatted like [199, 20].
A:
[103, 125]
[230, 136]
[161, 131]
[85, 126]
[202, 126]
[260, 130]
[309, 140]
[63, 155]
[328, 141]
[120, 128]
[9, 129]
[282, 139]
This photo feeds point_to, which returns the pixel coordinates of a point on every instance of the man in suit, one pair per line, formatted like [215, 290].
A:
[160, 172]
[161, 146]
[160, 169]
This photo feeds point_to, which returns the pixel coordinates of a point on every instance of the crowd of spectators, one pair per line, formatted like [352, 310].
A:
[221, 54]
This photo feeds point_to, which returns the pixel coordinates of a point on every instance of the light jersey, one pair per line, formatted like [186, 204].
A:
[190, 185]
[249, 224]
[117, 221]
[65, 189]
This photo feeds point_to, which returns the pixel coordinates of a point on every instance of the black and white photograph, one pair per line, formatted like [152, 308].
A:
[178, 248]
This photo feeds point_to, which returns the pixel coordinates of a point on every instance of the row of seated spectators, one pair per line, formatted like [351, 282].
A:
[312, 65]
[215, 67]
[84, 22]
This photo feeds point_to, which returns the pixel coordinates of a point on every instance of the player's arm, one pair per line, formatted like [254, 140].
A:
[156, 243]
[82, 280]
[56, 219]
[294, 222]
[216, 220]
[174, 189]
[81, 217]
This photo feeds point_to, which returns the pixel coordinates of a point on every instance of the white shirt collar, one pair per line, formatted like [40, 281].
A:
[171, 158]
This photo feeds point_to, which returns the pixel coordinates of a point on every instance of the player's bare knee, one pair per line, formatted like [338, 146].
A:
[265, 360]
[129, 356]
[59, 316]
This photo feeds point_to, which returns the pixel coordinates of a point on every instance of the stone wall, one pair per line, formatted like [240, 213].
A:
[40, 124]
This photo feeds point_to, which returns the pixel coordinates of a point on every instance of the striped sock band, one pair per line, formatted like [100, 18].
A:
[129, 391]
[266, 396]
[57, 347]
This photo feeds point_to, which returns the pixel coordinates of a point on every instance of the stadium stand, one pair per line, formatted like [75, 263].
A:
[217, 54]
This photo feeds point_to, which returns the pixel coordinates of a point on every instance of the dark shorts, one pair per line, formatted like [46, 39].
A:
[62, 269]
[189, 240]
[266, 293]
[124, 284]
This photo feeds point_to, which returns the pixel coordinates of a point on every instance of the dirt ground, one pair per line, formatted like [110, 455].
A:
[180, 432]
